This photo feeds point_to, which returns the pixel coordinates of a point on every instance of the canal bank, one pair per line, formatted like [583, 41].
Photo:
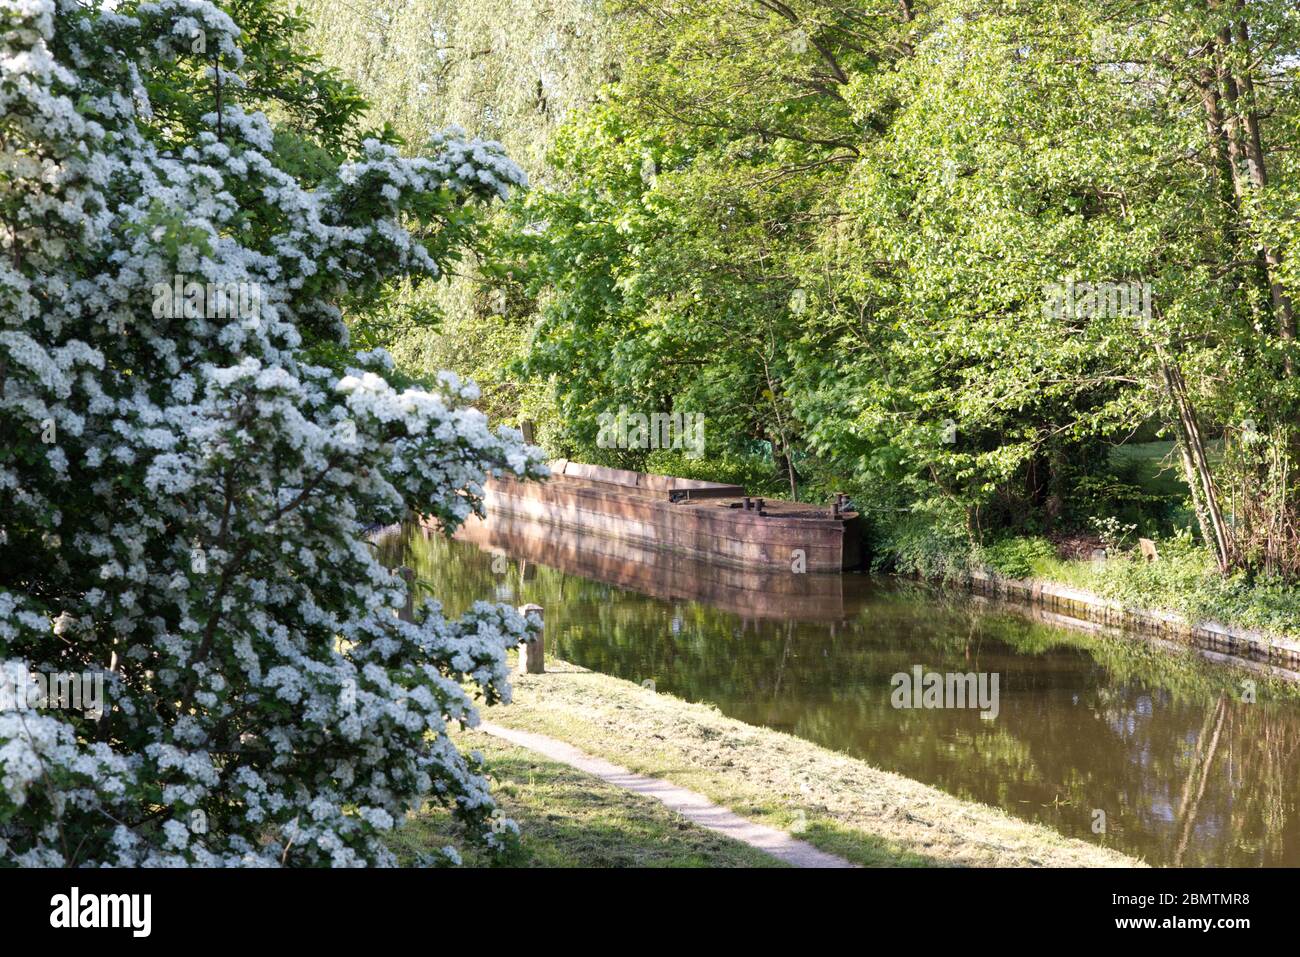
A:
[1186, 768]
[836, 803]
[1273, 654]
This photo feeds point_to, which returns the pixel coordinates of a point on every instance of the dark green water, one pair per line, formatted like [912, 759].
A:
[1185, 771]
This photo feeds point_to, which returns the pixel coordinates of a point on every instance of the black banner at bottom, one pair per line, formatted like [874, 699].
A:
[340, 907]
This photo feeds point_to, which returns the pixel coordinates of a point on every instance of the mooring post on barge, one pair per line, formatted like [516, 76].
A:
[532, 653]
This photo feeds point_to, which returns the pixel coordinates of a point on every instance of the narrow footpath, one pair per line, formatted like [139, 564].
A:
[696, 808]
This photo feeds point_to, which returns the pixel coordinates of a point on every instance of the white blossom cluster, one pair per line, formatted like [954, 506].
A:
[182, 500]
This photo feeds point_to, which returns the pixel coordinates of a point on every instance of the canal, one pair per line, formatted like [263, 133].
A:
[1106, 738]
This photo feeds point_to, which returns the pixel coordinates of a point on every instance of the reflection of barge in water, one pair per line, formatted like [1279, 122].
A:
[748, 593]
[703, 520]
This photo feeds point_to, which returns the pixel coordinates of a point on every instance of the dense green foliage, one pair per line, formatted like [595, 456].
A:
[842, 231]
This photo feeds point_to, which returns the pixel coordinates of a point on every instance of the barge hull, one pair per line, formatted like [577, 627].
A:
[749, 593]
[703, 520]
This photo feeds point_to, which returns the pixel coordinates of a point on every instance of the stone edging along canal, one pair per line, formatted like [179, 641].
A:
[1277, 655]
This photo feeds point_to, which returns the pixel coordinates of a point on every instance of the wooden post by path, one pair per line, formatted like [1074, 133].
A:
[408, 610]
[532, 653]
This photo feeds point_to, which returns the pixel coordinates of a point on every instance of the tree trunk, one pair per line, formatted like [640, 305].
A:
[1196, 465]
[1247, 162]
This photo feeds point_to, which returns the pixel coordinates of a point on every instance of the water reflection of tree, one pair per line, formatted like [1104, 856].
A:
[1252, 749]
[1185, 771]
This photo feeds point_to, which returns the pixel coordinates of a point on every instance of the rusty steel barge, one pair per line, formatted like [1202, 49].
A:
[752, 594]
[708, 521]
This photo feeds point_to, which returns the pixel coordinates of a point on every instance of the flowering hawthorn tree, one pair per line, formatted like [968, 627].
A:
[184, 481]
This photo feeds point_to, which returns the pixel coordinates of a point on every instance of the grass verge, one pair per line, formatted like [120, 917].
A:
[837, 803]
[1182, 580]
[570, 819]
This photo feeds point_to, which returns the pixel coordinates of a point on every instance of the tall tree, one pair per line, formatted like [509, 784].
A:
[193, 452]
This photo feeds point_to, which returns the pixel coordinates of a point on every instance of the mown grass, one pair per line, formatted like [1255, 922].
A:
[837, 803]
[570, 819]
